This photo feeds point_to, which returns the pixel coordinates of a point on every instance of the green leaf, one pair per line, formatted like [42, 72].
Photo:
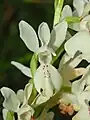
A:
[58, 8]
[33, 64]
[10, 116]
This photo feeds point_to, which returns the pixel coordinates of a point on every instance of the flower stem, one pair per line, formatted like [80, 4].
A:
[58, 4]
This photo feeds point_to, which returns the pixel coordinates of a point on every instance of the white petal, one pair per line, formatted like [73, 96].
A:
[4, 111]
[68, 98]
[42, 81]
[44, 33]
[83, 114]
[25, 70]
[55, 77]
[41, 99]
[79, 42]
[20, 95]
[58, 35]
[75, 61]
[84, 99]
[66, 12]
[85, 24]
[74, 26]
[86, 9]
[25, 112]
[86, 76]
[11, 101]
[27, 92]
[79, 5]
[28, 36]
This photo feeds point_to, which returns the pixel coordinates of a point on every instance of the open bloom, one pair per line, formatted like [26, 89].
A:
[81, 10]
[46, 79]
[17, 102]
[68, 70]
[79, 98]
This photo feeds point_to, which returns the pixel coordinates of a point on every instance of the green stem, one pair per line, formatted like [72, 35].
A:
[58, 53]
[58, 4]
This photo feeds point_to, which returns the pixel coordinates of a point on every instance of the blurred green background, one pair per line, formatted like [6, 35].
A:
[11, 46]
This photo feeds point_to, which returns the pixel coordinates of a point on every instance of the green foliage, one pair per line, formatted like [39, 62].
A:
[10, 116]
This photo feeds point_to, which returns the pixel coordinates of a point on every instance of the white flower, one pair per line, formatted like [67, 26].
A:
[81, 10]
[80, 42]
[18, 102]
[79, 98]
[84, 82]
[68, 70]
[46, 79]
[48, 42]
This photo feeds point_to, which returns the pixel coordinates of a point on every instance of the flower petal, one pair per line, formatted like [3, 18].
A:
[84, 99]
[83, 114]
[44, 33]
[85, 24]
[55, 77]
[11, 101]
[81, 40]
[25, 70]
[28, 36]
[25, 112]
[42, 81]
[27, 92]
[4, 111]
[86, 9]
[68, 98]
[20, 95]
[77, 87]
[58, 35]
[79, 5]
[7, 115]
[66, 12]
[67, 69]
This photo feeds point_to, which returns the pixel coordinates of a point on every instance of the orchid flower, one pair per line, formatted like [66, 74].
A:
[68, 70]
[79, 98]
[84, 81]
[80, 39]
[82, 8]
[17, 103]
[46, 78]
